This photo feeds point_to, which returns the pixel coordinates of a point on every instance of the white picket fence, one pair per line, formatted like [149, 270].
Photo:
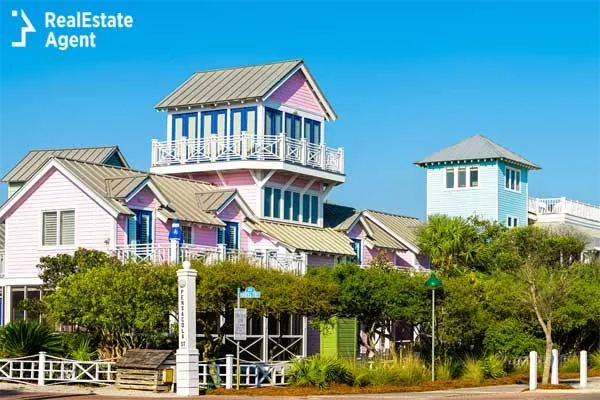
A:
[43, 369]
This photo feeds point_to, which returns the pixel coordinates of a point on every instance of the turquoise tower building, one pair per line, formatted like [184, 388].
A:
[477, 177]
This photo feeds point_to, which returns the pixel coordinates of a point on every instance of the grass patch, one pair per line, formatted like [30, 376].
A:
[570, 364]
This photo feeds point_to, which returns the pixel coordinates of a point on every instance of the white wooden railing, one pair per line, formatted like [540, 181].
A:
[222, 372]
[247, 147]
[44, 369]
[562, 205]
[161, 253]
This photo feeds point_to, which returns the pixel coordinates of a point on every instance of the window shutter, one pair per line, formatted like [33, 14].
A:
[221, 236]
[67, 227]
[49, 229]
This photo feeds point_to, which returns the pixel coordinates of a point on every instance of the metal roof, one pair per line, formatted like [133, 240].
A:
[228, 84]
[213, 200]
[404, 227]
[114, 184]
[307, 238]
[476, 147]
[35, 159]
[339, 217]
[380, 238]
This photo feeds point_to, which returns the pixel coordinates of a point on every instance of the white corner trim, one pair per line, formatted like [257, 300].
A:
[388, 230]
[54, 163]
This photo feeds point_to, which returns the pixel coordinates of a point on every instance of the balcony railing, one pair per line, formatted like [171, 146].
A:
[562, 205]
[161, 253]
[247, 147]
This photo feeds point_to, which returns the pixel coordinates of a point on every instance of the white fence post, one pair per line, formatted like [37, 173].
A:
[583, 368]
[229, 371]
[41, 366]
[554, 378]
[533, 370]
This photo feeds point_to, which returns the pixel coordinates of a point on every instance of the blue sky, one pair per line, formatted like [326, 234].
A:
[406, 79]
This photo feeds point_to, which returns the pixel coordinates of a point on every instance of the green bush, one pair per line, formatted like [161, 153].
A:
[493, 367]
[446, 370]
[570, 364]
[511, 338]
[79, 346]
[319, 372]
[473, 369]
[25, 338]
[595, 360]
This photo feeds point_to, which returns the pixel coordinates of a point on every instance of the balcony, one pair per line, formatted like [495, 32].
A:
[245, 147]
[161, 253]
[563, 206]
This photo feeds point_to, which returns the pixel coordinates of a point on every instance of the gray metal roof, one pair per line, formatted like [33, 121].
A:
[380, 238]
[213, 200]
[228, 84]
[308, 238]
[404, 227]
[476, 147]
[35, 159]
[114, 184]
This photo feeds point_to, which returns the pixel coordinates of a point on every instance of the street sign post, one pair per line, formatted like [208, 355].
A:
[240, 319]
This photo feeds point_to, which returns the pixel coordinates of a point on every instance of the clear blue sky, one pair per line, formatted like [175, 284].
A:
[406, 79]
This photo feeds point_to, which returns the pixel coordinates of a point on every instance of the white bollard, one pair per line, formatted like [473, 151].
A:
[41, 368]
[186, 358]
[533, 370]
[229, 371]
[554, 378]
[583, 368]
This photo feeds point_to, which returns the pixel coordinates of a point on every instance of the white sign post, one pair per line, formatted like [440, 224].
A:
[240, 321]
[187, 355]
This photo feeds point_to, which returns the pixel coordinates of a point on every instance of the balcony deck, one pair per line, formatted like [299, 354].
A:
[563, 206]
[161, 253]
[244, 147]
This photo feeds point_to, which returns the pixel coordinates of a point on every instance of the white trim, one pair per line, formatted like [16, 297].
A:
[54, 163]
[153, 220]
[394, 234]
[57, 245]
[148, 183]
[515, 221]
[333, 178]
[455, 169]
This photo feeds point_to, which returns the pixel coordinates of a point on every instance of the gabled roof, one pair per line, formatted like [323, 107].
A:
[380, 238]
[250, 83]
[403, 228]
[214, 200]
[476, 147]
[35, 159]
[307, 238]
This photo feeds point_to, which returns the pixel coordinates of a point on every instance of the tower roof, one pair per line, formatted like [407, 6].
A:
[476, 147]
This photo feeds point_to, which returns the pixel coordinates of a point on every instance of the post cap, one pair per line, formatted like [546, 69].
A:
[187, 264]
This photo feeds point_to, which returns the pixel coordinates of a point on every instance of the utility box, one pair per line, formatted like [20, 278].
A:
[340, 340]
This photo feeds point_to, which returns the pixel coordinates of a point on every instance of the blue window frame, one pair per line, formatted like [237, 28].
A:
[244, 112]
[205, 131]
[357, 246]
[184, 126]
[139, 227]
[229, 236]
[293, 126]
[312, 131]
[273, 121]
[314, 209]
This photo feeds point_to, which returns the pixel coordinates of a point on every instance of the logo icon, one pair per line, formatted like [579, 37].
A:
[24, 30]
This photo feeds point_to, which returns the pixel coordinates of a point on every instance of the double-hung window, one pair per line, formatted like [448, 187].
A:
[186, 234]
[462, 177]
[58, 228]
[512, 222]
[473, 176]
[512, 179]
[449, 178]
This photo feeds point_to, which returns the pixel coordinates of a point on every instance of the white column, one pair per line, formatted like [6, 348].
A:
[41, 368]
[533, 370]
[304, 336]
[554, 378]
[583, 368]
[229, 371]
[265, 352]
[187, 355]
[7, 304]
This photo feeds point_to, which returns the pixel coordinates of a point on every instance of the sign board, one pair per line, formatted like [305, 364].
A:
[250, 293]
[240, 320]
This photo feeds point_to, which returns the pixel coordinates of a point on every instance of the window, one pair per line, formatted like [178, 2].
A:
[357, 247]
[287, 204]
[186, 234]
[312, 131]
[272, 122]
[473, 176]
[58, 228]
[462, 177]
[512, 222]
[305, 208]
[512, 179]
[229, 236]
[296, 206]
[293, 126]
[314, 215]
[449, 178]
[268, 201]
[276, 203]
[18, 294]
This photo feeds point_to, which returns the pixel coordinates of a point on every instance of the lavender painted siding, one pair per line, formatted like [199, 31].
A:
[320, 260]
[240, 180]
[93, 224]
[296, 93]
[121, 230]
[205, 235]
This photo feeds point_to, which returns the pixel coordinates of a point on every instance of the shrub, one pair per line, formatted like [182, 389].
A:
[79, 346]
[319, 371]
[446, 370]
[25, 338]
[595, 360]
[473, 369]
[569, 364]
[493, 367]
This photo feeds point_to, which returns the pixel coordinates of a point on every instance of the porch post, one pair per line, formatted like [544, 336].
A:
[265, 352]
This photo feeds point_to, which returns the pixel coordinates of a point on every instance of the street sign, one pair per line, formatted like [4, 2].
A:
[250, 293]
[240, 319]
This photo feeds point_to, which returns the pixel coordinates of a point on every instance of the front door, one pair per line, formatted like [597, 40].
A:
[243, 120]
[139, 231]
